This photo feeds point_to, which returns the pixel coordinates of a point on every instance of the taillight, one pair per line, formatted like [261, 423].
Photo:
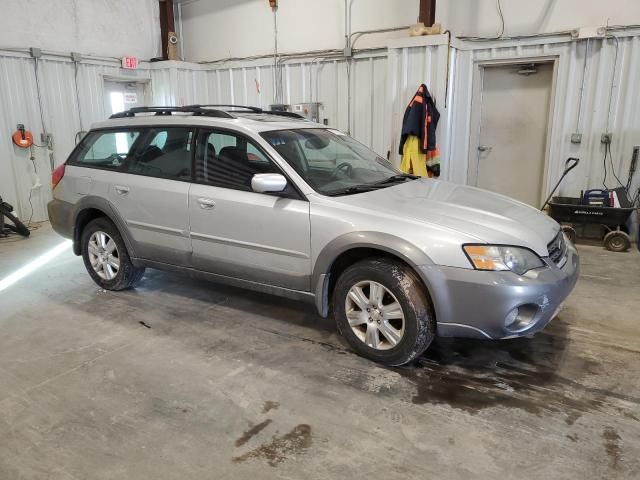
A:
[57, 175]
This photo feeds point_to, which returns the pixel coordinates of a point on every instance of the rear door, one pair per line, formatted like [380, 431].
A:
[151, 194]
[240, 233]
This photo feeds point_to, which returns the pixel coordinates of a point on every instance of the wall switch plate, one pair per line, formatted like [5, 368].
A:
[576, 138]
[606, 138]
[46, 139]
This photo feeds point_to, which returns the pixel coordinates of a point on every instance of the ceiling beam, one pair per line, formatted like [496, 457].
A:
[427, 12]
[167, 24]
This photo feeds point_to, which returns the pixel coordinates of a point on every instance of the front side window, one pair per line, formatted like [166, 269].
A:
[228, 160]
[107, 149]
[163, 152]
[331, 162]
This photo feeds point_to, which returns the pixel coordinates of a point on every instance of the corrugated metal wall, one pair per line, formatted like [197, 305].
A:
[60, 113]
[309, 80]
[382, 82]
[603, 75]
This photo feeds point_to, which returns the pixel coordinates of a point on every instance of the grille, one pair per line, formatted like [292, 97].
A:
[557, 248]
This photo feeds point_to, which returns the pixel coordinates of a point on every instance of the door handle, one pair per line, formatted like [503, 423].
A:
[122, 190]
[206, 203]
[484, 148]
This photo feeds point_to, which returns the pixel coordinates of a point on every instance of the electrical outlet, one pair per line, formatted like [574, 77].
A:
[46, 139]
[606, 138]
[576, 138]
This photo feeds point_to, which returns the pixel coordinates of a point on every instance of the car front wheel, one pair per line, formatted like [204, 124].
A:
[383, 311]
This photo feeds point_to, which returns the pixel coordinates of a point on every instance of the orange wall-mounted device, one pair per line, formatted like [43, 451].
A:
[22, 138]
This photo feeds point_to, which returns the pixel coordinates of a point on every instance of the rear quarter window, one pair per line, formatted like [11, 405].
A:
[105, 149]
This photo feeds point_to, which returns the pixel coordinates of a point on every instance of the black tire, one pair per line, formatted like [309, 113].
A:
[128, 274]
[570, 232]
[617, 241]
[403, 283]
[18, 227]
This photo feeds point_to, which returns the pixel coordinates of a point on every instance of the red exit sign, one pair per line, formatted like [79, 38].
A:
[130, 63]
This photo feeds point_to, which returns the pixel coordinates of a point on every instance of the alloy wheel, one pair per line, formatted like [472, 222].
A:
[375, 315]
[103, 255]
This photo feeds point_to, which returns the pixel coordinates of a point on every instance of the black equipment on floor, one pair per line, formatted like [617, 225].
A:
[16, 226]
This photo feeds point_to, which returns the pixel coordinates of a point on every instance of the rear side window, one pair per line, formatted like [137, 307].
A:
[106, 149]
[164, 153]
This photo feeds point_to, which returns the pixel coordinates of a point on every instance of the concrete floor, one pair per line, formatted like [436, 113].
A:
[186, 379]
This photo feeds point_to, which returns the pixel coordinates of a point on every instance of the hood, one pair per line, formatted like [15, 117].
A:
[487, 216]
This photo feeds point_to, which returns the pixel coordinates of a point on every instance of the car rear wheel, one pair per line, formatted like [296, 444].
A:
[106, 258]
[383, 311]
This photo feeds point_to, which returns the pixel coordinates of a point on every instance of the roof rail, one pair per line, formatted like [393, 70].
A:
[251, 109]
[203, 110]
[193, 109]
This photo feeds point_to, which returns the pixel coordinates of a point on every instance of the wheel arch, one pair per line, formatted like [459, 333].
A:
[348, 249]
[90, 208]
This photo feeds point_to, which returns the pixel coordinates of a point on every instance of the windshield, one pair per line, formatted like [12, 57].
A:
[333, 163]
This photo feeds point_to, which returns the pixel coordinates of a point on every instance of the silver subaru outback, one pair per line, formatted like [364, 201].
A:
[277, 204]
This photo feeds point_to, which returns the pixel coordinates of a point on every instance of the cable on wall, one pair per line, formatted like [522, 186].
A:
[76, 59]
[499, 6]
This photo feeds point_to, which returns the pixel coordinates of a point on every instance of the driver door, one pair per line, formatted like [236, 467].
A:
[237, 232]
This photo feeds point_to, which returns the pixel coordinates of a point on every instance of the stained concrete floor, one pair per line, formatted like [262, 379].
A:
[186, 379]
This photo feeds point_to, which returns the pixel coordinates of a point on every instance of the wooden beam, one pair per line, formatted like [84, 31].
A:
[427, 12]
[167, 24]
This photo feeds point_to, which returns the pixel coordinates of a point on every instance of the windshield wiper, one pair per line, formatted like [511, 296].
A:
[395, 178]
[353, 189]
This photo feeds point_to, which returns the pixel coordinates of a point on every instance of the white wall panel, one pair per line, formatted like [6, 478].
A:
[602, 71]
[381, 85]
[252, 83]
[60, 112]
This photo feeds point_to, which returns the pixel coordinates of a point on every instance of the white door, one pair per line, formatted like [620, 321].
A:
[514, 124]
[120, 96]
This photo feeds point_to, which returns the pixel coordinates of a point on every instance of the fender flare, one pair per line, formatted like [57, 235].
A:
[104, 206]
[385, 242]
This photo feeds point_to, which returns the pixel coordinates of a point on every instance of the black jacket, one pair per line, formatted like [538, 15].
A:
[421, 119]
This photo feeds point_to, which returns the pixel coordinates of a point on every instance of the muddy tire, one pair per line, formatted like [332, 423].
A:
[570, 232]
[106, 258]
[383, 311]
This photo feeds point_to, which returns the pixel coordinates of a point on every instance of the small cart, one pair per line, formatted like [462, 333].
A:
[569, 213]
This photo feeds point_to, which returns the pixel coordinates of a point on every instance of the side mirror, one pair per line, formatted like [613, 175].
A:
[268, 183]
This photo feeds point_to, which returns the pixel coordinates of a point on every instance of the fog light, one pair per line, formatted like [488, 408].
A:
[521, 318]
[512, 316]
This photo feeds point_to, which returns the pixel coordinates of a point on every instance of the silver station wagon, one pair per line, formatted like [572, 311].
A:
[278, 204]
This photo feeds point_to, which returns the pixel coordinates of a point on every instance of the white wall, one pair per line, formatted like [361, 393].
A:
[108, 28]
[240, 28]
[480, 17]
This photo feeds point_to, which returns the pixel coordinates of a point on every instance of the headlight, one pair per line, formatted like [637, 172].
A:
[493, 257]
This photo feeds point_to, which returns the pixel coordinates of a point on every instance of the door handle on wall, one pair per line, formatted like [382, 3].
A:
[121, 189]
[206, 203]
[484, 148]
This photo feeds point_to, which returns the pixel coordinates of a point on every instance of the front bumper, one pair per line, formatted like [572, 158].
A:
[475, 304]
